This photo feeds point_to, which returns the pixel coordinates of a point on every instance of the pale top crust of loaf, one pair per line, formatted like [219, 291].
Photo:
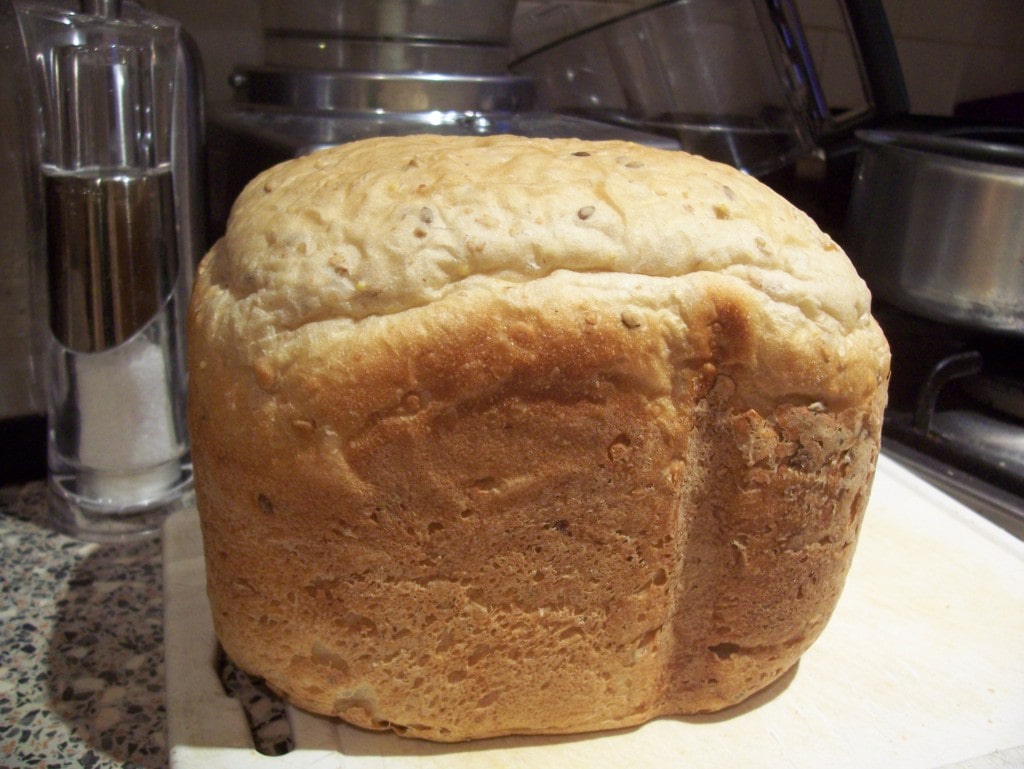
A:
[384, 225]
[495, 435]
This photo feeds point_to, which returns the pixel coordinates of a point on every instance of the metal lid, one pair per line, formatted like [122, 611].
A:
[377, 92]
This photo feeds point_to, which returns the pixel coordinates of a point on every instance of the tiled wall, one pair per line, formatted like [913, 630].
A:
[950, 50]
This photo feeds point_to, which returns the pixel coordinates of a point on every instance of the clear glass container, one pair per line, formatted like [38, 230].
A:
[729, 79]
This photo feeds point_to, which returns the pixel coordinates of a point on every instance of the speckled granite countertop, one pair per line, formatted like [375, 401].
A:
[81, 645]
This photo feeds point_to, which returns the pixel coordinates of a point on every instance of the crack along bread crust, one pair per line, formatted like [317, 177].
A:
[510, 436]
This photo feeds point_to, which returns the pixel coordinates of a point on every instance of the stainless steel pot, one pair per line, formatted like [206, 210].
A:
[936, 226]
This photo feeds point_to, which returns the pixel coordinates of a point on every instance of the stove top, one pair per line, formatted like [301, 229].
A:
[956, 412]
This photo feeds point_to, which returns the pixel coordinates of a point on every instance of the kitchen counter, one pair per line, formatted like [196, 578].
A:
[920, 667]
[81, 645]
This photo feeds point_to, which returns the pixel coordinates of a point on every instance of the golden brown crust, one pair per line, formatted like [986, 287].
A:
[515, 503]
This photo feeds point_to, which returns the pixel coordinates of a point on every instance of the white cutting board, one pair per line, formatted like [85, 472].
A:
[922, 665]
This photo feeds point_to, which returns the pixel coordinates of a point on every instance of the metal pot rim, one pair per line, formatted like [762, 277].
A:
[952, 149]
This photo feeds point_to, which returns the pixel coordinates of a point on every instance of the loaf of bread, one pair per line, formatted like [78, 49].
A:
[497, 435]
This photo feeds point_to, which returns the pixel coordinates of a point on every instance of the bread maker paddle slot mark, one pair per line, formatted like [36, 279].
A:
[265, 712]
